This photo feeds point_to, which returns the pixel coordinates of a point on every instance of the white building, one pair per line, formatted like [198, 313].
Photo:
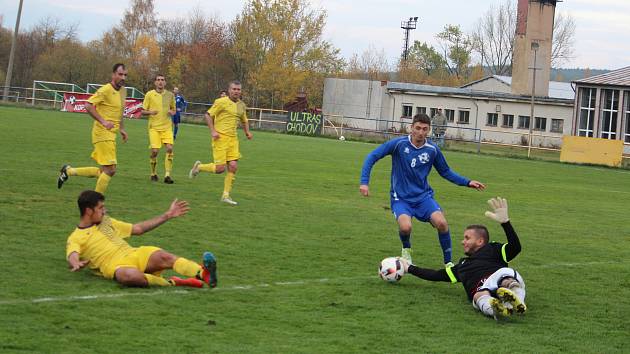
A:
[485, 109]
[602, 107]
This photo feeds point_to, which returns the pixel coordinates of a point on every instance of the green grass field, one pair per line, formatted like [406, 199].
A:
[298, 257]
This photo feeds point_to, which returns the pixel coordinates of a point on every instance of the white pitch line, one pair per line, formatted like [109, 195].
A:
[50, 299]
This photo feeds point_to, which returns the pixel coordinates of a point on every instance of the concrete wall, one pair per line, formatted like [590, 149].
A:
[358, 101]
[491, 85]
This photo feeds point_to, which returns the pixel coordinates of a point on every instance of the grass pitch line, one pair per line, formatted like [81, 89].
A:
[52, 299]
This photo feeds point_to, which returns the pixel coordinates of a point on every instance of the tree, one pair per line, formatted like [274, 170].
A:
[370, 65]
[494, 35]
[424, 57]
[493, 38]
[278, 50]
[456, 49]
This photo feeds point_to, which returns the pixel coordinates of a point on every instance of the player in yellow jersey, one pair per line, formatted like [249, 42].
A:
[106, 107]
[99, 242]
[159, 105]
[222, 119]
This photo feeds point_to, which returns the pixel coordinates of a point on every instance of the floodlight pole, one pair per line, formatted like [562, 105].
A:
[7, 81]
[534, 47]
[408, 26]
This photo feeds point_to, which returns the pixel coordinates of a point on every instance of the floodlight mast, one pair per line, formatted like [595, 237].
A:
[408, 25]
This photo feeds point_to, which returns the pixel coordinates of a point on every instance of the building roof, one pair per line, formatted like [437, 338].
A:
[619, 77]
[557, 89]
[462, 91]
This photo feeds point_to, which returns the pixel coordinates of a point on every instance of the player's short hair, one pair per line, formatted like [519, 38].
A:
[159, 75]
[422, 118]
[481, 230]
[234, 82]
[89, 199]
[118, 65]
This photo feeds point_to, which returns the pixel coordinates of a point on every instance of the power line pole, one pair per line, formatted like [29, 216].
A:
[408, 26]
[7, 81]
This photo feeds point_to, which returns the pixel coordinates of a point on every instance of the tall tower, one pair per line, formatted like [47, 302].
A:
[534, 30]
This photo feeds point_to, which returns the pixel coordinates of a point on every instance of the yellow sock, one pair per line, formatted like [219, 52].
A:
[208, 167]
[168, 164]
[155, 280]
[102, 182]
[227, 183]
[153, 162]
[84, 171]
[186, 267]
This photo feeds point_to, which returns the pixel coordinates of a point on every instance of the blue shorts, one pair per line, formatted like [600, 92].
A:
[175, 118]
[421, 211]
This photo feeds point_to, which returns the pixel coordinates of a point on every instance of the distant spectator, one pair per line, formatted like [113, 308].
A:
[180, 104]
[438, 125]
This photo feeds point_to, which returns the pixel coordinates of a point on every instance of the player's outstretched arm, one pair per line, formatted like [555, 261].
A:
[425, 273]
[74, 263]
[477, 185]
[499, 214]
[177, 209]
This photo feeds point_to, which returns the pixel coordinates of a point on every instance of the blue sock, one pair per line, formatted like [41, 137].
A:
[405, 239]
[175, 131]
[445, 242]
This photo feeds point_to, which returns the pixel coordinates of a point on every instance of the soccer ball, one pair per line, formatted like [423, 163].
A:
[342, 138]
[391, 270]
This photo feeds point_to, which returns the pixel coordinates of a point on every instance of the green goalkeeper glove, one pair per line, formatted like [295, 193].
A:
[499, 211]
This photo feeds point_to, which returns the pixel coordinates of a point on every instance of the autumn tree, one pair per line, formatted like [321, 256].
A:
[456, 49]
[278, 50]
[370, 65]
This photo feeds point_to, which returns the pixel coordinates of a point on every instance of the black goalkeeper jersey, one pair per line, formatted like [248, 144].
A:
[473, 270]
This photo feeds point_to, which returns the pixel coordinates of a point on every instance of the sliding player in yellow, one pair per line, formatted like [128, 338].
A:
[99, 242]
[159, 104]
[106, 107]
[222, 119]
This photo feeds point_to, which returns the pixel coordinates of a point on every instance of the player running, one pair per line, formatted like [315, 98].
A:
[106, 107]
[99, 242]
[413, 156]
[494, 289]
[159, 105]
[222, 119]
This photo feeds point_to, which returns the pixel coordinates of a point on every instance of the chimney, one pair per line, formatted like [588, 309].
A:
[534, 30]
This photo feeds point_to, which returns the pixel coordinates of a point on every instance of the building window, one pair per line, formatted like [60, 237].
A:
[433, 111]
[557, 125]
[407, 110]
[540, 123]
[464, 117]
[626, 113]
[508, 121]
[523, 122]
[421, 110]
[450, 115]
[610, 102]
[587, 112]
[493, 119]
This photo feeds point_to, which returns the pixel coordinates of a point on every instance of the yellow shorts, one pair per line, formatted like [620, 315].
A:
[105, 153]
[138, 259]
[225, 149]
[157, 138]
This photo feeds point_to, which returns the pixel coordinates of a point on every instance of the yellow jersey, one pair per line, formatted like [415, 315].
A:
[162, 103]
[110, 104]
[225, 113]
[102, 243]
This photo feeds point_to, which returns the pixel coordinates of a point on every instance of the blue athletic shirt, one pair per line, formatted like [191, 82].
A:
[410, 168]
[180, 103]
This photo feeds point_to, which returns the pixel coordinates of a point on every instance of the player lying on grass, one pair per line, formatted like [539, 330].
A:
[98, 242]
[494, 289]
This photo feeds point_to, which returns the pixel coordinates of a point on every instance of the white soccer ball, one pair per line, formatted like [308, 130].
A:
[391, 270]
[342, 138]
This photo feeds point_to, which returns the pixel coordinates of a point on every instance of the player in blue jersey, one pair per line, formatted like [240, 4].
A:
[180, 106]
[413, 156]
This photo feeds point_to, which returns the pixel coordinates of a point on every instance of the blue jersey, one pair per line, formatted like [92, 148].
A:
[180, 103]
[410, 168]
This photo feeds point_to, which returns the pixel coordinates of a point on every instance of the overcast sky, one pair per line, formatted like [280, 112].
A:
[354, 26]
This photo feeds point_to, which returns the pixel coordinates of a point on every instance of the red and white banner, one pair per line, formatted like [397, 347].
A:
[75, 102]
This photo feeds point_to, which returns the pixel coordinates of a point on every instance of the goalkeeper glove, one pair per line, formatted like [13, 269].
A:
[499, 211]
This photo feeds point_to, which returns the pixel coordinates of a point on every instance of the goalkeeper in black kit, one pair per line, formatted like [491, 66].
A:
[494, 288]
